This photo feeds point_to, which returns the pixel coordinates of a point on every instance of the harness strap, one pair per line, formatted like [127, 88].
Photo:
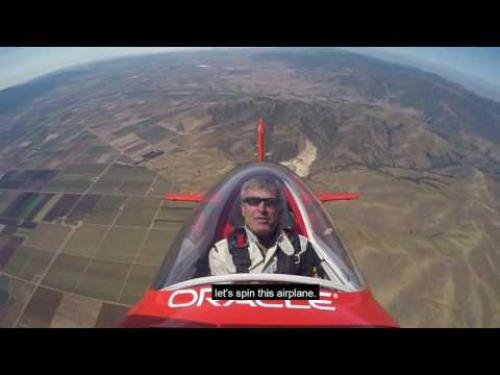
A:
[287, 264]
[238, 248]
[290, 264]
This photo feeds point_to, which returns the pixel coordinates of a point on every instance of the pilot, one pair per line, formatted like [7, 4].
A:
[263, 244]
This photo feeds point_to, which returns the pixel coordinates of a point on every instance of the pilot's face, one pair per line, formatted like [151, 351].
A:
[260, 208]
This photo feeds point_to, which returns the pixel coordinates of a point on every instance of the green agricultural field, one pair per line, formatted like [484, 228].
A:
[139, 279]
[153, 134]
[135, 173]
[98, 150]
[105, 185]
[34, 205]
[19, 294]
[121, 245]
[138, 127]
[47, 207]
[134, 187]
[19, 260]
[137, 182]
[156, 246]
[113, 179]
[36, 266]
[61, 208]
[103, 280]
[105, 211]
[48, 237]
[160, 187]
[65, 272]
[124, 179]
[4, 292]
[110, 315]
[85, 241]
[82, 208]
[69, 183]
[26, 206]
[6, 199]
[91, 169]
[173, 214]
[41, 309]
[23, 233]
[138, 212]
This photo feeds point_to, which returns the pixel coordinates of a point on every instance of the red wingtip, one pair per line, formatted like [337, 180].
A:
[328, 197]
[183, 197]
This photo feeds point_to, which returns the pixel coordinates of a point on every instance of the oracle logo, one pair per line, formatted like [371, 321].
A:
[196, 298]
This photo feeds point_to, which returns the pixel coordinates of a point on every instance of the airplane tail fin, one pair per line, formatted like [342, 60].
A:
[260, 140]
[324, 196]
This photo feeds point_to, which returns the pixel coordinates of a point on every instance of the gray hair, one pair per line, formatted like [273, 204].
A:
[265, 183]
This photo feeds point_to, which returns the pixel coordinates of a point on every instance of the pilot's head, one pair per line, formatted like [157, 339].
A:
[261, 205]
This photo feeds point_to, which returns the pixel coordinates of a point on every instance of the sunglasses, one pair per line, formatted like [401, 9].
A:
[255, 201]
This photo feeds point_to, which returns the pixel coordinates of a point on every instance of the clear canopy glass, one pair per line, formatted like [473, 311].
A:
[188, 257]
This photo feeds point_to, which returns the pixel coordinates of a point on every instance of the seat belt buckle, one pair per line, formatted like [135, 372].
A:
[296, 258]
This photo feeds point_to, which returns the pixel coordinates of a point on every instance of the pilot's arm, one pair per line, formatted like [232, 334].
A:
[220, 261]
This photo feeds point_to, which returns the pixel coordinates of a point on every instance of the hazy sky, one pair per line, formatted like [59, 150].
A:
[480, 62]
[18, 65]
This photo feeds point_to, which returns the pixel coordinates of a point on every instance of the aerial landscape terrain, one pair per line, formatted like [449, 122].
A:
[87, 153]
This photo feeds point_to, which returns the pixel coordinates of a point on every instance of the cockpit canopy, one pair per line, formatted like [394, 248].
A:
[219, 213]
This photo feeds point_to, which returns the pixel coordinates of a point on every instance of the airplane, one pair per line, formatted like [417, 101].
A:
[181, 296]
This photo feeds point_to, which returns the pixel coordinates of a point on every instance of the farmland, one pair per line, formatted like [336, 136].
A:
[83, 247]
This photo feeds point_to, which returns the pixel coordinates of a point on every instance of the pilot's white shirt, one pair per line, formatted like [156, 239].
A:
[221, 261]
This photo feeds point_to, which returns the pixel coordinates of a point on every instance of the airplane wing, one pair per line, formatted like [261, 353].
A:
[324, 197]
